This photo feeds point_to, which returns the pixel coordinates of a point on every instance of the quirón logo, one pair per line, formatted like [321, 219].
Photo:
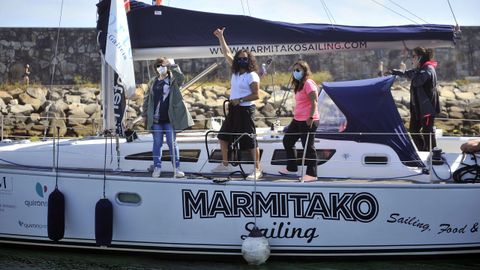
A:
[41, 189]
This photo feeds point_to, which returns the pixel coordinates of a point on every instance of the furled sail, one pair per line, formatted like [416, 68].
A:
[178, 33]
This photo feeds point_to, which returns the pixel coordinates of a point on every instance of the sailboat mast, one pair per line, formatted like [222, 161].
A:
[107, 96]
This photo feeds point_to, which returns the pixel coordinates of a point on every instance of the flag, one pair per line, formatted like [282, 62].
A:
[118, 52]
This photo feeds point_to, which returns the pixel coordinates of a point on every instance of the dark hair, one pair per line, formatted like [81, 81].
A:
[307, 72]
[252, 62]
[424, 54]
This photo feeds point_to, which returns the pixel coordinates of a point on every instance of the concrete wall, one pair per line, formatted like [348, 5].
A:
[78, 59]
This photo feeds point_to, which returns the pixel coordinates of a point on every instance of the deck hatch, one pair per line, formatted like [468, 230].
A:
[186, 155]
[375, 160]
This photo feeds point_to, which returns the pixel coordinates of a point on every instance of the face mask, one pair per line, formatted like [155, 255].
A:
[243, 63]
[162, 70]
[298, 75]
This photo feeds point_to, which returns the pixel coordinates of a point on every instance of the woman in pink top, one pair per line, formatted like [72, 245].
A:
[304, 123]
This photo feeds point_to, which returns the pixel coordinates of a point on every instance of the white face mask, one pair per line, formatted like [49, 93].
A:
[162, 70]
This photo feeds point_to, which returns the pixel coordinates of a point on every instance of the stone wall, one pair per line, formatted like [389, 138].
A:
[76, 110]
[78, 59]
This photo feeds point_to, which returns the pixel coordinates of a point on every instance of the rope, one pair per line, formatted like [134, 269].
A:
[54, 62]
[58, 158]
[105, 166]
[453, 13]
[459, 174]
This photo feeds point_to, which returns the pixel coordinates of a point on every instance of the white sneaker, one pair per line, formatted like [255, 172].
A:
[179, 174]
[156, 172]
[259, 174]
[222, 168]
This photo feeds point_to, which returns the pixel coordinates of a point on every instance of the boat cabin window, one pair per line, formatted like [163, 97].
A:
[375, 160]
[332, 120]
[186, 155]
[128, 198]
[243, 156]
[280, 156]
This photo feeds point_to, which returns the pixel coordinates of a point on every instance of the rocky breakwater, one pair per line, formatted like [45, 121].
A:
[77, 111]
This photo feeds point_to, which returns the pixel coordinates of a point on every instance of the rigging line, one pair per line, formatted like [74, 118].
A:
[453, 13]
[54, 61]
[248, 8]
[243, 9]
[328, 11]
[382, 5]
[411, 13]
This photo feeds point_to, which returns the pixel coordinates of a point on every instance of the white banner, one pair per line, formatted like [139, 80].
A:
[118, 53]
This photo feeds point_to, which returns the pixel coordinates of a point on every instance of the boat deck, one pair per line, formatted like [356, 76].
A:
[214, 177]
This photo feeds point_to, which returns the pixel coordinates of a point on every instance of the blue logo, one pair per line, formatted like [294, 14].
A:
[41, 190]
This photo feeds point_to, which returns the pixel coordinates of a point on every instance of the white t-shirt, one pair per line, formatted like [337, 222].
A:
[240, 86]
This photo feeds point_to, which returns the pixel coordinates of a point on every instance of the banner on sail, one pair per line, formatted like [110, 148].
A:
[118, 53]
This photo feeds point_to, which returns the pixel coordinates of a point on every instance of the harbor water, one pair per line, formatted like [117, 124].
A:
[33, 258]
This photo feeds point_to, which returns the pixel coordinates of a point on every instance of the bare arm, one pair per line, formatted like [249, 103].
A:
[313, 101]
[223, 45]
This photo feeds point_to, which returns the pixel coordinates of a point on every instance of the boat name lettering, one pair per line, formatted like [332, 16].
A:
[362, 207]
[281, 231]
[36, 203]
[411, 221]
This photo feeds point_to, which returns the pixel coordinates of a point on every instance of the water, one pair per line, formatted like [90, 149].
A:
[13, 258]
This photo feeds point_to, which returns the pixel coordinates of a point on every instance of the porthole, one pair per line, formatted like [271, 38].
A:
[129, 198]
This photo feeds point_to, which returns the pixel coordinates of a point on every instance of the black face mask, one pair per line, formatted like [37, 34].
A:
[243, 63]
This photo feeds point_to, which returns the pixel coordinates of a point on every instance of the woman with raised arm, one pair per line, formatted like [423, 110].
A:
[424, 100]
[245, 84]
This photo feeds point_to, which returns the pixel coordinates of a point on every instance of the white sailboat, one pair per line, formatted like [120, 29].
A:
[375, 194]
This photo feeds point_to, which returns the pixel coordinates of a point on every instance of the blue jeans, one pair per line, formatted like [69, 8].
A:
[158, 131]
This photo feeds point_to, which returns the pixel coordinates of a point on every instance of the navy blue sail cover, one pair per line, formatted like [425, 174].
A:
[369, 108]
[163, 26]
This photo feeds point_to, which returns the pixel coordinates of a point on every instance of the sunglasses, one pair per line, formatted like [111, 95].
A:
[243, 58]
[157, 66]
[297, 70]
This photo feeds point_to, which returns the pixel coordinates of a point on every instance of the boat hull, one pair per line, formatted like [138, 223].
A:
[199, 216]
